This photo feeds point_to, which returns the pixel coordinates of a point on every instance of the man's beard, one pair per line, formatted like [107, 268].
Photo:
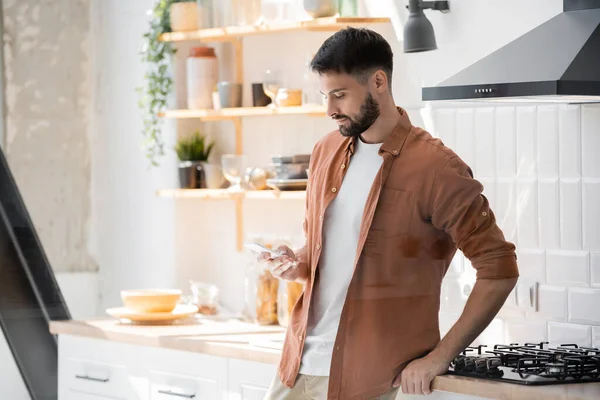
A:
[368, 113]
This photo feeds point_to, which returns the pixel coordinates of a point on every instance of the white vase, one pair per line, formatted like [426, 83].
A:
[184, 17]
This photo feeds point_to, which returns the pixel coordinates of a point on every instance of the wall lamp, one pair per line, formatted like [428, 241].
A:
[418, 31]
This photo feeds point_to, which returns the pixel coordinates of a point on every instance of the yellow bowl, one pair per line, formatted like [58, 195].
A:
[151, 300]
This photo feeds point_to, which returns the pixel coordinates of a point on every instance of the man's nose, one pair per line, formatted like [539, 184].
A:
[331, 108]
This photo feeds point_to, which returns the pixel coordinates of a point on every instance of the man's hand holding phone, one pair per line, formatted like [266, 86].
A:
[283, 263]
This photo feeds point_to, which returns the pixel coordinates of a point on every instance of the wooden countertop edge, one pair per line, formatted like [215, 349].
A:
[445, 383]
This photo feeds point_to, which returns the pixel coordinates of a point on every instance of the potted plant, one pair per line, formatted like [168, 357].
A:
[193, 153]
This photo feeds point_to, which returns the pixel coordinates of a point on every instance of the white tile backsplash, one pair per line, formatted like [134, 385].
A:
[465, 136]
[547, 134]
[569, 132]
[570, 214]
[591, 210]
[590, 140]
[540, 166]
[549, 213]
[560, 333]
[445, 127]
[552, 303]
[506, 154]
[583, 305]
[506, 207]
[519, 331]
[568, 268]
[485, 156]
[527, 142]
[595, 268]
[527, 214]
[532, 264]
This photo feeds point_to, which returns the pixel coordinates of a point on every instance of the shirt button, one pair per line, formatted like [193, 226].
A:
[318, 246]
[320, 218]
[484, 214]
[395, 152]
[333, 190]
[343, 166]
[300, 337]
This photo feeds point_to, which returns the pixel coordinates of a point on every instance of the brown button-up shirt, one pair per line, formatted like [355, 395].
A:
[422, 206]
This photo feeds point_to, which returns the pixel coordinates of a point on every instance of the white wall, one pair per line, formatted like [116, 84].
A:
[133, 229]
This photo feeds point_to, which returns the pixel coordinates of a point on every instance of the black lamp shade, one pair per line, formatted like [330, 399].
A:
[418, 33]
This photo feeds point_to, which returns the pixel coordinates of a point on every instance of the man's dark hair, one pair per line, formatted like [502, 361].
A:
[356, 52]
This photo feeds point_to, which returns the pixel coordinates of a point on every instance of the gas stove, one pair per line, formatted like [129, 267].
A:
[529, 363]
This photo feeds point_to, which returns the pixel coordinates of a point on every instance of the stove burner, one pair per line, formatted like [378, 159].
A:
[530, 363]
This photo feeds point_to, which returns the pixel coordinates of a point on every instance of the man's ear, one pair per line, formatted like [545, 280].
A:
[381, 80]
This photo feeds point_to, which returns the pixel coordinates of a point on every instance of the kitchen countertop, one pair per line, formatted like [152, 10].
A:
[236, 339]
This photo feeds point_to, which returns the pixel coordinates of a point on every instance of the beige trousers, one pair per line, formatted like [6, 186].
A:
[309, 387]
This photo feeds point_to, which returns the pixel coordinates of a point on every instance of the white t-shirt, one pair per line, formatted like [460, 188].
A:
[341, 228]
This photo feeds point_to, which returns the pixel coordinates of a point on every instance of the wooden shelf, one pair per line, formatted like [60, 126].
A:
[239, 112]
[237, 197]
[224, 194]
[235, 32]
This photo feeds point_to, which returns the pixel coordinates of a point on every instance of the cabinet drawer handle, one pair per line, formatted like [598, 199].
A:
[170, 393]
[89, 378]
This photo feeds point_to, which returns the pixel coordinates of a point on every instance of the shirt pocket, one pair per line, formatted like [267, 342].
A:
[394, 212]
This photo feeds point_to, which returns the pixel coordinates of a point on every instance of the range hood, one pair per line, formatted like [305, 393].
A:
[559, 61]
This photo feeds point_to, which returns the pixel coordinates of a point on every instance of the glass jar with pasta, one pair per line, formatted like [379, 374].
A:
[288, 295]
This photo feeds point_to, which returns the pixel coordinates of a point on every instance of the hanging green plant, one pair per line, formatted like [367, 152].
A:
[154, 92]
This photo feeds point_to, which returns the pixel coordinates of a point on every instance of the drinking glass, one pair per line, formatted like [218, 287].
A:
[271, 84]
[233, 170]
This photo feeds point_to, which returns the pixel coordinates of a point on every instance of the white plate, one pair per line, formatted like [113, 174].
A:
[180, 311]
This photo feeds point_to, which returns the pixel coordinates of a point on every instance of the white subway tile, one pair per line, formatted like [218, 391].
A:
[465, 136]
[583, 305]
[525, 331]
[527, 214]
[494, 333]
[569, 136]
[506, 208]
[595, 267]
[547, 129]
[590, 140]
[559, 333]
[548, 208]
[445, 123]
[447, 321]
[485, 142]
[552, 303]
[596, 337]
[526, 141]
[506, 162]
[570, 214]
[532, 264]
[453, 297]
[568, 268]
[591, 213]
[456, 267]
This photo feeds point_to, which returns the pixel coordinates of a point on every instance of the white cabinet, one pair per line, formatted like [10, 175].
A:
[179, 375]
[98, 369]
[93, 369]
[249, 380]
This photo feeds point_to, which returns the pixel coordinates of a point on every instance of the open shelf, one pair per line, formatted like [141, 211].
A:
[224, 194]
[237, 197]
[239, 112]
[235, 32]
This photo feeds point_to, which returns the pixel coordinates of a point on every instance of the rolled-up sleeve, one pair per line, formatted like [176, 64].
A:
[460, 209]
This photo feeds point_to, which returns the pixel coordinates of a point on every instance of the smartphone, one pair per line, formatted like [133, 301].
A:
[259, 248]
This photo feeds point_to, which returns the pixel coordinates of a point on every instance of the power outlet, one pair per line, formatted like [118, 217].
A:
[527, 295]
